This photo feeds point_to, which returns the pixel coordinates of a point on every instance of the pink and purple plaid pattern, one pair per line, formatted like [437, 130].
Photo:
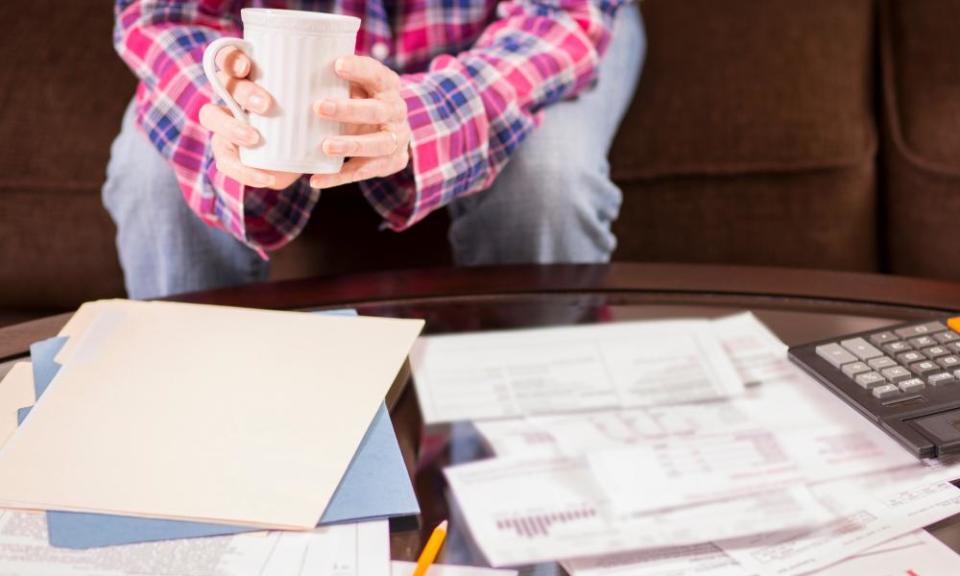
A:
[476, 74]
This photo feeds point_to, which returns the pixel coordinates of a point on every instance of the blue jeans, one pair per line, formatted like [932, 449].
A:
[554, 201]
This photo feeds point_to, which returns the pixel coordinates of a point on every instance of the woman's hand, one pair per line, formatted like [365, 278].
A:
[376, 135]
[229, 133]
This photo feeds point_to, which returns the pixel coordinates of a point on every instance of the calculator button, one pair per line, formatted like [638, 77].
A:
[924, 368]
[911, 357]
[912, 385]
[870, 380]
[854, 368]
[881, 362]
[861, 348]
[922, 342]
[935, 351]
[882, 338]
[954, 347]
[896, 374]
[940, 379]
[885, 391]
[950, 361]
[835, 355]
[954, 324]
[945, 337]
[897, 347]
[920, 329]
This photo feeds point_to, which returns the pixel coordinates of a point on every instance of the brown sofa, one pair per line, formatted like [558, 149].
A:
[753, 139]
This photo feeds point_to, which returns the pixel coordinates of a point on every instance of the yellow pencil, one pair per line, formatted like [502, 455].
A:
[431, 550]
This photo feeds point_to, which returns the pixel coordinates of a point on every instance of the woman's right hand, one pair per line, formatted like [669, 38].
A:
[228, 133]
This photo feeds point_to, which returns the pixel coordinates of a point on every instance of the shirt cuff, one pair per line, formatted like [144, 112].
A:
[437, 171]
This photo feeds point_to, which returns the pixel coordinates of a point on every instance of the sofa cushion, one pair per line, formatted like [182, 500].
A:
[920, 55]
[752, 137]
[747, 86]
[64, 91]
[922, 81]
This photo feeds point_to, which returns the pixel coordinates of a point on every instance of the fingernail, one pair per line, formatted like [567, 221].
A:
[247, 135]
[314, 183]
[258, 103]
[339, 65]
[264, 179]
[327, 108]
[240, 66]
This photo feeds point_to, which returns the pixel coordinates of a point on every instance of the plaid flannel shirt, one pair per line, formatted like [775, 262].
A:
[475, 76]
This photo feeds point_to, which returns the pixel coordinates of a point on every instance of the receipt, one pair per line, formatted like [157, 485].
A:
[506, 374]
[523, 511]
[871, 510]
[915, 554]
[683, 471]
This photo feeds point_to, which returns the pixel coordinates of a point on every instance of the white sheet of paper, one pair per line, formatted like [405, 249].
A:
[205, 413]
[683, 471]
[350, 550]
[541, 371]
[16, 391]
[757, 354]
[871, 509]
[406, 569]
[916, 554]
[522, 511]
[654, 457]
[24, 551]
[341, 550]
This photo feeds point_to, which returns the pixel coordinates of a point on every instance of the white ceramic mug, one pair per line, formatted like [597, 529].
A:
[293, 54]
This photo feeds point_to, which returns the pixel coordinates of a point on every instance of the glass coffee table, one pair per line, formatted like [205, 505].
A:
[798, 305]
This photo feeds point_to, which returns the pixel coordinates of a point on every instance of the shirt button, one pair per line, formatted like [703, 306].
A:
[380, 51]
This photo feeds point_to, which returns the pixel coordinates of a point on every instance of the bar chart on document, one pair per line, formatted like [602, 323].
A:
[533, 525]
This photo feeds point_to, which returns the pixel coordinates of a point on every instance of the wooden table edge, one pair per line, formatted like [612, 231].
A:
[440, 283]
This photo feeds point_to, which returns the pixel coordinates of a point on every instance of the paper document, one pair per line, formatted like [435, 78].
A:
[204, 413]
[787, 431]
[757, 354]
[542, 371]
[24, 552]
[407, 568]
[522, 511]
[16, 391]
[343, 550]
[917, 554]
[871, 510]
[683, 471]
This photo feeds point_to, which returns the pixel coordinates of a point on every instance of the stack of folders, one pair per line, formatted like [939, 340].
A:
[205, 440]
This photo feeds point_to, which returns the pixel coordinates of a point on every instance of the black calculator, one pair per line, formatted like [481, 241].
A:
[905, 378]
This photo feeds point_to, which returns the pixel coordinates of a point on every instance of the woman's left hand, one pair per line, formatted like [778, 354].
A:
[376, 135]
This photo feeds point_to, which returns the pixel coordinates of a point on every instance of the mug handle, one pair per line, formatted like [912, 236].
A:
[210, 69]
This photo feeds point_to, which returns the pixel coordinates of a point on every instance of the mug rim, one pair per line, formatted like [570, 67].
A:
[282, 18]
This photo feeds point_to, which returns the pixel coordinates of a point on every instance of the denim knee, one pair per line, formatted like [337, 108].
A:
[164, 248]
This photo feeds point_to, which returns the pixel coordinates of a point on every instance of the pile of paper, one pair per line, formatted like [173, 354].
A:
[614, 459]
[145, 426]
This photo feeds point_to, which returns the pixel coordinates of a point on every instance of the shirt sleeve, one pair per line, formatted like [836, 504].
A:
[469, 112]
[163, 43]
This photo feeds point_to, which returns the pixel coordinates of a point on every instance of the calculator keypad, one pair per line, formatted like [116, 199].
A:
[895, 363]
